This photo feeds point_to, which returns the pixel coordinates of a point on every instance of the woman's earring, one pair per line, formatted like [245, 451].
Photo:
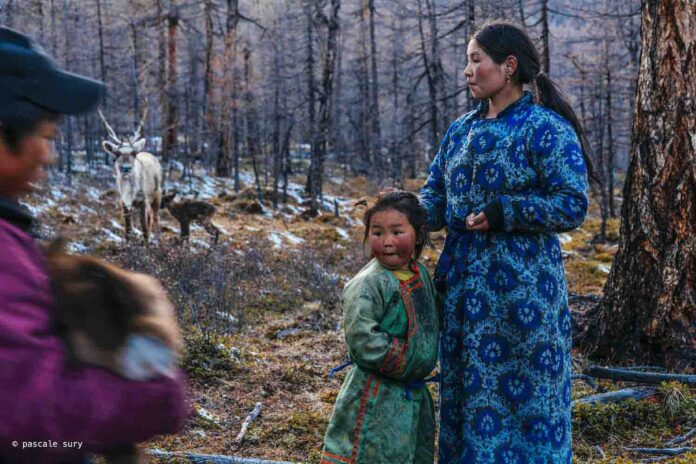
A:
[507, 78]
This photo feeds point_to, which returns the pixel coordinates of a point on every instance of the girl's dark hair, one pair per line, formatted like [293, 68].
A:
[500, 39]
[407, 204]
[19, 119]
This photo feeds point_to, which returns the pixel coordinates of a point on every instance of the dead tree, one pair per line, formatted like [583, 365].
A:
[648, 314]
[172, 114]
[327, 79]
[375, 128]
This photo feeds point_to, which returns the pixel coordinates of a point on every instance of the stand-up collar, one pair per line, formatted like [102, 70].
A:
[12, 211]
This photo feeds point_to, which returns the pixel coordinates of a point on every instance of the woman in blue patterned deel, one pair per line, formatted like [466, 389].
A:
[508, 176]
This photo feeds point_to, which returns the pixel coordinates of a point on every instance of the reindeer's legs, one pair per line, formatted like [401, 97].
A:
[127, 212]
[184, 230]
[145, 223]
[155, 218]
[212, 230]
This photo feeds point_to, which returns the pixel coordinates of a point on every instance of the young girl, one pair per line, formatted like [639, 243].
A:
[384, 413]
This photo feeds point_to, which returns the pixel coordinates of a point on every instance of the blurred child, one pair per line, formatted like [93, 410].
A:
[384, 412]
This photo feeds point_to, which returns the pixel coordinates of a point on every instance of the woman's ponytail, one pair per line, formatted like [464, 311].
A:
[551, 97]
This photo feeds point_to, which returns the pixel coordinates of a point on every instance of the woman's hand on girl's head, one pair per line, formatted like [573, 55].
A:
[477, 222]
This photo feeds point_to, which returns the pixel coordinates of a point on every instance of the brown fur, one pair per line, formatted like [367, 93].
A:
[188, 211]
[99, 305]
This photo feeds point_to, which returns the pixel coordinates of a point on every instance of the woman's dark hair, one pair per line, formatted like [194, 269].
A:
[19, 119]
[500, 39]
[407, 204]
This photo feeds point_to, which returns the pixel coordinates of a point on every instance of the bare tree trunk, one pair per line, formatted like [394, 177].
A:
[277, 117]
[364, 125]
[162, 71]
[337, 139]
[212, 125]
[438, 72]
[610, 143]
[397, 134]
[648, 314]
[328, 71]
[228, 129]
[251, 117]
[102, 65]
[311, 88]
[545, 50]
[600, 126]
[430, 73]
[170, 141]
[375, 129]
[100, 31]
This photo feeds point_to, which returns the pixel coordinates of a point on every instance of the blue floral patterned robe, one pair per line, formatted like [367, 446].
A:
[505, 366]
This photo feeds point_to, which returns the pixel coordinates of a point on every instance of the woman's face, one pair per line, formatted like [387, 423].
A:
[484, 76]
[22, 167]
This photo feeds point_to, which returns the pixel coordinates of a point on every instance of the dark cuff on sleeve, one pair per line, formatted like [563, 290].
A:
[494, 214]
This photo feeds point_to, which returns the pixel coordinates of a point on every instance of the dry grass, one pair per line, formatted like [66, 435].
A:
[288, 337]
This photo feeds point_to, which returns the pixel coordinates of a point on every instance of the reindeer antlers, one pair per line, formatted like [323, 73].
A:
[111, 132]
[137, 133]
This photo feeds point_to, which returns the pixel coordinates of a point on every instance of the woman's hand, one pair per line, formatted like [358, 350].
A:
[477, 222]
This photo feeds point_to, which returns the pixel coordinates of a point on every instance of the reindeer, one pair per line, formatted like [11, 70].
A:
[137, 172]
[188, 211]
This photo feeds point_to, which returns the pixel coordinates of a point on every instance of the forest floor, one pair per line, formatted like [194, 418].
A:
[262, 325]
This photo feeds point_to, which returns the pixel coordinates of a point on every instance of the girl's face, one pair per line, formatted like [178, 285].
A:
[392, 239]
[484, 76]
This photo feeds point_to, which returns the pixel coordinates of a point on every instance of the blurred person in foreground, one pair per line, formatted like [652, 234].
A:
[50, 412]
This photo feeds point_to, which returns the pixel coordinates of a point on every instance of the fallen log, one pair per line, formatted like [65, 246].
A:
[249, 419]
[211, 458]
[587, 379]
[645, 368]
[661, 451]
[626, 375]
[617, 396]
[682, 438]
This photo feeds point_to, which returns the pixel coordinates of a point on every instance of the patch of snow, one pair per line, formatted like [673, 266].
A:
[251, 228]
[110, 236]
[77, 247]
[603, 268]
[35, 210]
[565, 238]
[293, 209]
[116, 225]
[294, 239]
[93, 193]
[230, 318]
[343, 233]
[200, 243]
[275, 238]
[57, 194]
[205, 414]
